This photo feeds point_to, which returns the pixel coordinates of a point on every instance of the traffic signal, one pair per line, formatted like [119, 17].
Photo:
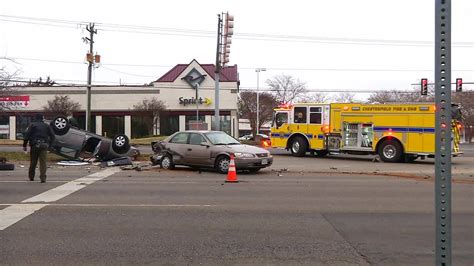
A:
[424, 86]
[459, 85]
[228, 32]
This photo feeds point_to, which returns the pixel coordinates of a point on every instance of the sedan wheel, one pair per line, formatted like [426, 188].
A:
[121, 144]
[120, 141]
[222, 164]
[60, 125]
[167, 162]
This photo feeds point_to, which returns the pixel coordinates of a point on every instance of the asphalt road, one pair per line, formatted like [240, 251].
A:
[468, 150]
[190, 217]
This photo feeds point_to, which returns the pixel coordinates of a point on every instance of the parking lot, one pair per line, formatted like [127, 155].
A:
[337, 210]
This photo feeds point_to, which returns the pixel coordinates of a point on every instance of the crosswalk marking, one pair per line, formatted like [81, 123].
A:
[14, 213]
[62, 191]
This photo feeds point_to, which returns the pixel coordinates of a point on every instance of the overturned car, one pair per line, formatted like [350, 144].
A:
[77, 144]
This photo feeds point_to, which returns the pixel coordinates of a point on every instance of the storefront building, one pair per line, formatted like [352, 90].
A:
[112, 108]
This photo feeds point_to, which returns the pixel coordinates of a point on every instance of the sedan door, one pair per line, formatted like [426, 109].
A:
[177, 146]
[196, 153]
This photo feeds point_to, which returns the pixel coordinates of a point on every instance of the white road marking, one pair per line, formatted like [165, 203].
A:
[114, 205]
[62, 191]
[14, 213]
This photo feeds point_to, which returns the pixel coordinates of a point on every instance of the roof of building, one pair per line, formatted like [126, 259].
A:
[228, 73]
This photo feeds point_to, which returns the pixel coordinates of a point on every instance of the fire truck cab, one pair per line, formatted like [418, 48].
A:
[396, 132]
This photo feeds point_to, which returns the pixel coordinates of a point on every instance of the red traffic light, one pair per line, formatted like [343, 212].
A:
[424, 86]
[459, 84]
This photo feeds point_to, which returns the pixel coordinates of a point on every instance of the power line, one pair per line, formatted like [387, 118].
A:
[126, 73]
[211, 34]
[244, 68]
[241, 88]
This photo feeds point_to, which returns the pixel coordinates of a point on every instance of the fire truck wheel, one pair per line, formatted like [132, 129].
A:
[298, 147]
[390, 151]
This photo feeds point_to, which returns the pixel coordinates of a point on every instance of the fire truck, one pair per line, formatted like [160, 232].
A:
[398, 132]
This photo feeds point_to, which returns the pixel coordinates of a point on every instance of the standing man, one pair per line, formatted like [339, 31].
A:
[41, 136]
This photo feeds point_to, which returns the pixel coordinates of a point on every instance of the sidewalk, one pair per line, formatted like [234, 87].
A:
[462, 167]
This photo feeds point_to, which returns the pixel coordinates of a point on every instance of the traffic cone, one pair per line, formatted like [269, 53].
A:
[231, 173]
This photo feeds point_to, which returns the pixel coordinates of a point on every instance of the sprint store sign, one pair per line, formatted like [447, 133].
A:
[188, 101]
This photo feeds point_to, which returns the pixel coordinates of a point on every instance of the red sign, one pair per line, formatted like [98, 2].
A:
[14, 101]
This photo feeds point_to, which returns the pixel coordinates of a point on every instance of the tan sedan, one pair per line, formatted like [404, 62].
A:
[208, 149]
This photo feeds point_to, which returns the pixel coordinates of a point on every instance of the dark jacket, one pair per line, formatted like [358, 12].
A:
[38, 131]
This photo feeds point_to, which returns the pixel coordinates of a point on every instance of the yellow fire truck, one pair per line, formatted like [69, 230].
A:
[396, 132]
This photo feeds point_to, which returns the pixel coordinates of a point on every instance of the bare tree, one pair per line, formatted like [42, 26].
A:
[6, 81]
[40, 83]
[398, 96]
[315, 97]
[345, 97]
[248, 108]
[62, 105]
[153, 108]
[286, 88]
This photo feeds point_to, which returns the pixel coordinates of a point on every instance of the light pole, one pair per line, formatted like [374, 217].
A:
[197, 101]
[258, 70]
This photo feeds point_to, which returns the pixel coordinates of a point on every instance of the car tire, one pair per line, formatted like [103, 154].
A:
[121, 144]
[390, 151]
[222, 164]
[60, 125]
[298, 147]
[167, 162]
[7, 167]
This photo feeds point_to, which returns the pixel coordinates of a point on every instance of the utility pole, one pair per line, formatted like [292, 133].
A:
[258, 70]
[224, 40]
[90, 59]
[217, 73]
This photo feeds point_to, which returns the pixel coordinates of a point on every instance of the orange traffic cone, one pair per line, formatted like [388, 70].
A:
[231, 173]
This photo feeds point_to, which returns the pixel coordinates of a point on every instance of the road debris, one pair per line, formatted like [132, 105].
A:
[72, 163]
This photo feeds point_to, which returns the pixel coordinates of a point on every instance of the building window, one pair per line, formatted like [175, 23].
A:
[224, 123]
[81, 122]
[169, 124]
[4, 127]
[22, 123]
[142, 126]
[112, 126]
[192, 119]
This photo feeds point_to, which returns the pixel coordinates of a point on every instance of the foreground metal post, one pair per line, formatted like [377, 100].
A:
[443, 132]
[217, 125]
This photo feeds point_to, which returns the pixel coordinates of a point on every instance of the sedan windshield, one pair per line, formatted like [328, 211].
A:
[221, 138]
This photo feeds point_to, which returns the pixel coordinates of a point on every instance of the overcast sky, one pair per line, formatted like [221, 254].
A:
[331, 45]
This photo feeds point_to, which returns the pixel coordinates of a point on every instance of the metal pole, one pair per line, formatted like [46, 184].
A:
[258, 70]
[197, 102]
[443, 132]
[91, 30]
[217, 71]
[258, 98]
